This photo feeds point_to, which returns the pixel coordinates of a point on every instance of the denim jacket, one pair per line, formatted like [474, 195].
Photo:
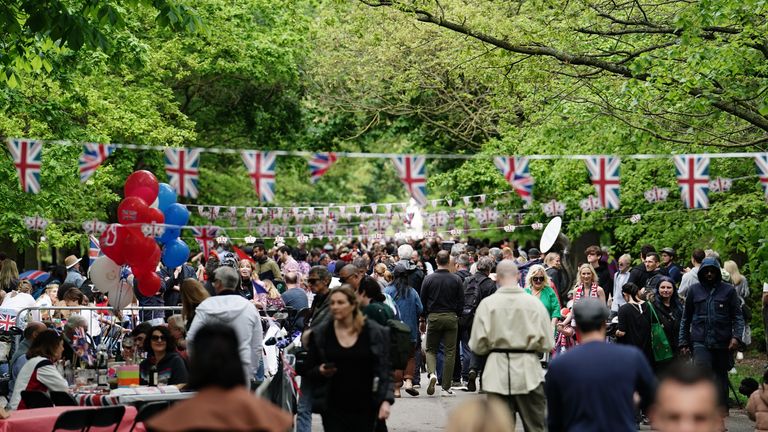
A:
[712, 313]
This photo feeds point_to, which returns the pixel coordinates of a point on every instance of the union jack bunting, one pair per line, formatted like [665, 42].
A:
[319, 164]
[183, 169]
[604, 172]
[7, 319]
[516, 173]
[720, 184]
[27, 157]
[553, 208]
[693, 179]
[92, 157]
[762, 171]
[261, 170]
[94, 251]
[656, 194]
[413, 173]
[590, 204]
[206, 238]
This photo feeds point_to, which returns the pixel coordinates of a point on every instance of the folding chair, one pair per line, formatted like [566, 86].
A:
[107, 416]
[63, 399]
[36, 399]
[78, 419]
[149, 410]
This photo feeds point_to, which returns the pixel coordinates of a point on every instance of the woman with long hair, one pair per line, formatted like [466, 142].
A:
[737, 279]
[586, 286]
[9, 275]
[163, 355]
[248, 279]
[537, 284]
[223, 402]
[349, 366]
[192, 294]
[39, 372]
[635, 321]
[409, 304]
[669, 310]
[271, 299]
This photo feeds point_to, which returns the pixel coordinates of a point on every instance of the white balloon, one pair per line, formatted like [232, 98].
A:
[122, 295]
[104, 273]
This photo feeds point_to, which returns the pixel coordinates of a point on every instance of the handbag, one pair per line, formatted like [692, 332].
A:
[659, 342]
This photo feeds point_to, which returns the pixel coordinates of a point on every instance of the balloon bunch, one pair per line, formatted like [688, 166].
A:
[146, 201]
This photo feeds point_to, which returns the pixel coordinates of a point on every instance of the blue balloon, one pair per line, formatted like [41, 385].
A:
[175, 253]
[169, 235]
[176, 214]
[165, 196]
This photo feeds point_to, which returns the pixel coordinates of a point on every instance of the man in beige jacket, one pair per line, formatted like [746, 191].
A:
[512, 327]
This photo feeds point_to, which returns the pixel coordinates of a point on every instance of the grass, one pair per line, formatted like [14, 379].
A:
[752, 366]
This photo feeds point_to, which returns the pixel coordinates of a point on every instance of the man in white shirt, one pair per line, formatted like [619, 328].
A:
[691, 277]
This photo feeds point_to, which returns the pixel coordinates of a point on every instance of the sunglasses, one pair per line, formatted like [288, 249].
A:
[345, 279]
[537, 279]
[158, 338]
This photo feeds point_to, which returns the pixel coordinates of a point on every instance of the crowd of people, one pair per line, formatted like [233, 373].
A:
[515, 324]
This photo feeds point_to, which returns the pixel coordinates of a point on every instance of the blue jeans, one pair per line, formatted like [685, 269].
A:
[304, 414]
[466, 354]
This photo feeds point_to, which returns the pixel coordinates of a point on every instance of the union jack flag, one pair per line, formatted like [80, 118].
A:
[7, 319]
[206, 238]
[604, 172]
[553, 208]
[720, 184]
[92, 157]
[320, 164]
[27, 157]
[693, 178]
[656, 194]
[413, 173]
[94, 250]
[261, 170]
[762, 170]
[590, 204]
[516, 173]
[183, 169]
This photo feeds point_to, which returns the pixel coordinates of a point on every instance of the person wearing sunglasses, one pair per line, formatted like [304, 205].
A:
[170, 367]
[537, 284]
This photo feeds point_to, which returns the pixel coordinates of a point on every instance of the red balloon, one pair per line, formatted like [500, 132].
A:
[112, 242]
[155, 215]
[149, 284]
[138, 249]
[132, 210]
[142, 184]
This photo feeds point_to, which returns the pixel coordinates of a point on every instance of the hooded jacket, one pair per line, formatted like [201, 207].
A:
[231, 309]
[757, 407]
[415, 275]
[712, 313]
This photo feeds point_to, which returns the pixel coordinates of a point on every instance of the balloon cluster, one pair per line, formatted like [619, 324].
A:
[146, 201]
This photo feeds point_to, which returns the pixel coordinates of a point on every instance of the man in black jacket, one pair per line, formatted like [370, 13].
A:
[442, 295]
[476, 288]
[604, 279]
[639, 275]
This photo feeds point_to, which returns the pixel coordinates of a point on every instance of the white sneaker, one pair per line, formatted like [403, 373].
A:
[447, 393]
[431, 387]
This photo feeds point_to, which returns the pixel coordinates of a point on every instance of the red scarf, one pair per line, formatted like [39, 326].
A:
[579, 292]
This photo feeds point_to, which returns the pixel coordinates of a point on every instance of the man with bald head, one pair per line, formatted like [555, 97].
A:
[512, 328]
[350, 274]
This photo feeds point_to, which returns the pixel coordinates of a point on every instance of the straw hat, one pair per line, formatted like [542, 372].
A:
[70, 261]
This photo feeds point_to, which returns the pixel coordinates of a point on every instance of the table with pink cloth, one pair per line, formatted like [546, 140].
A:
[43, 419]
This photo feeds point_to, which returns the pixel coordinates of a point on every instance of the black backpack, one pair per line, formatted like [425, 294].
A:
[400, 345]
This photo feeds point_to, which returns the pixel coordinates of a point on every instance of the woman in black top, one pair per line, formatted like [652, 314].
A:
[669, 309]
[635, 321]
[170, 367]
[349, 367]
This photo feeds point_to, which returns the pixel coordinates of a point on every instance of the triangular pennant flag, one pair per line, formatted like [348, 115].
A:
[183, 169]
[516, 173]
[319, 164]
[693, 179]
[604, 172]
[413, 173]
[261, 169]
[27, 158]
[92, 157]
